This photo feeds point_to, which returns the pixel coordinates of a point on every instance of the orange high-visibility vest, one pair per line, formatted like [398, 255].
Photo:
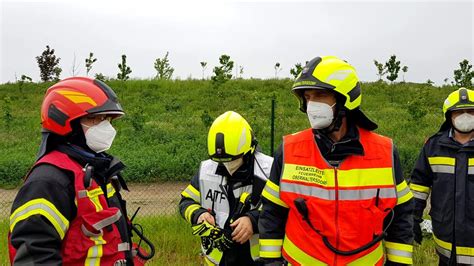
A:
[347, 204]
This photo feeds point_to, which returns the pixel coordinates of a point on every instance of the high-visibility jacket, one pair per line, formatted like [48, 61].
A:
[211, 191]
[94, 236]
[347, 204]
[445, 169]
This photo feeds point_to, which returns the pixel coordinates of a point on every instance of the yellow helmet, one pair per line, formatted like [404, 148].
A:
[456, 100]
[329, 73]
[230, 137]
[459, 99]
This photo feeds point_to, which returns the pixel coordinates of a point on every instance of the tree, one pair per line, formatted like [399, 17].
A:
[48, 64]
[429, 82]
[204, 67]
[463, 76]
[381, 69]
[223, 72]
[277, 68]
[446, 81]
[89, 61]
[163, 68]
[405, 70]
[393, 67]
[296, 70]
[125, 70]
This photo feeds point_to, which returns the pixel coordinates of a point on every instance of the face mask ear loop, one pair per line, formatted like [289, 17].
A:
[337, 122]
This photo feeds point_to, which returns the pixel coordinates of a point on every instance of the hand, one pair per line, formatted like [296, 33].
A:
[206, 217]
[417, 232]
[243, 229]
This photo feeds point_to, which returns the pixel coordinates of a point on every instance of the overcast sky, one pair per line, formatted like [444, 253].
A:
[431, 38]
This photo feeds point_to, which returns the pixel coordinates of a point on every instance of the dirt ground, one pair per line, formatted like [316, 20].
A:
[154, 199]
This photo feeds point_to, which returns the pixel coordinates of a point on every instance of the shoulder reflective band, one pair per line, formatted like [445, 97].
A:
[401, 253]
[188, 213]
[419, 191]
[442, 164]
[270, 248]
[192, 193]
[272, 193]
[40, 207]
[403, 193]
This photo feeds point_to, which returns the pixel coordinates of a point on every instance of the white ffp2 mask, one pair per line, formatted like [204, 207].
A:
[320, 115]
[232, 166]
[100, 137]
[464, 123]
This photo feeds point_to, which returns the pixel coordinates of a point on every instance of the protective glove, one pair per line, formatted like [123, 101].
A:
[206, 229]
[224, 242]
[417, 231]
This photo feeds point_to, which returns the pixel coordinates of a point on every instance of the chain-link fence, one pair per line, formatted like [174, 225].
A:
[154, 199]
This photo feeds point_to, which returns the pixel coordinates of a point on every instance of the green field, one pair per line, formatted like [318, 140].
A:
[175, 245]
[163, 136]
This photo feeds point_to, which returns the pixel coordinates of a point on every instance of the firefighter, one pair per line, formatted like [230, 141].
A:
[336, 190]
[445, 168]
[69, 209]
[224, 195]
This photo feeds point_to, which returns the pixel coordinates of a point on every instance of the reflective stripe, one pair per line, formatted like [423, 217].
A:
[110, 190]
[192, 193]
[371, 258]
[190, 210]
[254, 247]
[272, 192]
[470, 162]
[466, 251]
[420, 195]
[107, 221]
[330, 194]
[470, 170]
[298, 255]
[88, 233]
[93, 195]
[442, 160]
[270, 248]
[397, 252]
[403, 193]
[459, 258]
[324, 177]
[40, 207]
[420, 188]
[442, 169]
[123, 246]
[95, 252]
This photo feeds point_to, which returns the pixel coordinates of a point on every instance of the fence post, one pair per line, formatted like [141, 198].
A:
[272, 133]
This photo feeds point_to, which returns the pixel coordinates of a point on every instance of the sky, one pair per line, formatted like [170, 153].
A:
[430, 37]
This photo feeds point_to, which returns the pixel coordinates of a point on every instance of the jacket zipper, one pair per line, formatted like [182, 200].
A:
[337, 212]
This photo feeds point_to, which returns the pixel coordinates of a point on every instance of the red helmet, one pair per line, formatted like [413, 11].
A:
[73, 98]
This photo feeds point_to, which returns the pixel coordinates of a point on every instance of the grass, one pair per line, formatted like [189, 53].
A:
[175, 245]
[163, 136]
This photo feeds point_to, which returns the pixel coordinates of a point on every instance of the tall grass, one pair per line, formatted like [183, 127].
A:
[164, 134]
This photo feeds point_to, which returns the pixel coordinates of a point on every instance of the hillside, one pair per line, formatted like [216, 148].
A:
[163, 135]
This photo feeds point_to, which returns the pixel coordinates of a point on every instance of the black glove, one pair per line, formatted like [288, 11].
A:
[224, 242]
[417, 231]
